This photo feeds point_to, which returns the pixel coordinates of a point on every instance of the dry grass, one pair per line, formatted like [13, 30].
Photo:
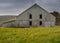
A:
[30, 35]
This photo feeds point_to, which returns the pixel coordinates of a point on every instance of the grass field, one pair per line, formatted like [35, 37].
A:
[30, 35]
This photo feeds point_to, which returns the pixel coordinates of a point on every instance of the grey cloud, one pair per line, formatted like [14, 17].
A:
[14, 7]
[51, 5]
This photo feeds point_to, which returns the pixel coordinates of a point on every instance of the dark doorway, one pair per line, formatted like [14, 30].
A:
[40, 16]
[40, 23]
[30, 23]
[30, 16]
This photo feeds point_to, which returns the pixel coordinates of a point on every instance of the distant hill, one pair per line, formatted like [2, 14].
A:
[6, 18]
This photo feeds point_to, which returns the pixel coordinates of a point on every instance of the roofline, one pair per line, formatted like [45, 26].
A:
[32, 6]
[26, 9]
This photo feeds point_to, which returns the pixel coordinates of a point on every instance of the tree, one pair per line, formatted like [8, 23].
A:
[55, 13]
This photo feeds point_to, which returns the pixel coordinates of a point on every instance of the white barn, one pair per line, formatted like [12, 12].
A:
[34, 16]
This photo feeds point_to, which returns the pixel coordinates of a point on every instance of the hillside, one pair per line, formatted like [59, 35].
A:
[6, 18]
[30, 35]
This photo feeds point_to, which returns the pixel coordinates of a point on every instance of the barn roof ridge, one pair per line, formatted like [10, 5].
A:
[35, 4]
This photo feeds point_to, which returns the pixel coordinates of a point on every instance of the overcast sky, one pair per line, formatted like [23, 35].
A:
[15, 7]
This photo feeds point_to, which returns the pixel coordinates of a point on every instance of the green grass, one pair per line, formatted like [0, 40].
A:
[30, 35]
